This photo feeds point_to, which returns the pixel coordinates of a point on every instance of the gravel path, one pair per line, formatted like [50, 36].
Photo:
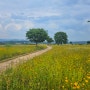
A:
[21, 59]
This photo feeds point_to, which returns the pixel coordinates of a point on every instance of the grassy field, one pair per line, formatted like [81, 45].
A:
[65, 67]
[9, 51]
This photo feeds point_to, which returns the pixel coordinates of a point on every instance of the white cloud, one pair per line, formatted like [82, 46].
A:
[5, 15]
[41, 12]
[3, 33]
[53, 25]
[28, 24]
[13, 26]
[18, 25]
[1, 27]
[55, 15]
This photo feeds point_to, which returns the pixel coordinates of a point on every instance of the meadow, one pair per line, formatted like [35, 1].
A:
[9, 51]
[65, 67]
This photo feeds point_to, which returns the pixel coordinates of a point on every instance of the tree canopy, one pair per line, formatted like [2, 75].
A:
[61, 38]
[88, 42]
[36, 35]
[49, 39]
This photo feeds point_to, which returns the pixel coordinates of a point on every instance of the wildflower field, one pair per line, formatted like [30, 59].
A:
[9, 51]
[65, 67]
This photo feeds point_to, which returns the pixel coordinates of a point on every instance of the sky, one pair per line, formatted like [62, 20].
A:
[70, 16]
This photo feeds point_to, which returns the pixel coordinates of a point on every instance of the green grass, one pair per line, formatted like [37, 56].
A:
[10, 51]
[65, 67]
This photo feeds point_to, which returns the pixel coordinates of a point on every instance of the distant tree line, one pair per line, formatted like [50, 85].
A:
[13, 42]
[38, 35]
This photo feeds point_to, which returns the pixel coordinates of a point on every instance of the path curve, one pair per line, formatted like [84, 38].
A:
[21, 59]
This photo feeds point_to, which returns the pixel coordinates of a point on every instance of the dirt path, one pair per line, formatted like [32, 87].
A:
[21, 59]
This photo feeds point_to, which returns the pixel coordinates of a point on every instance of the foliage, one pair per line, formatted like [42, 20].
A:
[9, 51]
[88, 42]
[60, 38]
[71, 42]
[62, 68]
[36, 35]
[49, 39]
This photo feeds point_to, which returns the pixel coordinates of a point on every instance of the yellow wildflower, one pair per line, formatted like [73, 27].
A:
[88, 77]
[75, 84]
[86, 81]
[83, 84]
[74, 87]
[66, 80]
[78, 87]
[65, 77]
[71, 83]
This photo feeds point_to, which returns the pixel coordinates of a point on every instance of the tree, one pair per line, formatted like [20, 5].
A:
[88, 42]
[36, 35]
[71, 42]
[49, 39]
[61, 38]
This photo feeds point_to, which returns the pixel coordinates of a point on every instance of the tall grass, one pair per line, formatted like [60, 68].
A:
[9, 51]
[62, 68]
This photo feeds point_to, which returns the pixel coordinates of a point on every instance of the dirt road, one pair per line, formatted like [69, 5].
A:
[21, 59]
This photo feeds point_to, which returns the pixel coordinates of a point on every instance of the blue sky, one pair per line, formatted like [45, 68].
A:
[70, 16]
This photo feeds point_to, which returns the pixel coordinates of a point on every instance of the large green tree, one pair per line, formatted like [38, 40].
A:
[36, 35]
[61, 38]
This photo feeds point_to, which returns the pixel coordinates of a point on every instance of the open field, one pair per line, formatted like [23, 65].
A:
[65, 67]
[9, 51]
[13, 62]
